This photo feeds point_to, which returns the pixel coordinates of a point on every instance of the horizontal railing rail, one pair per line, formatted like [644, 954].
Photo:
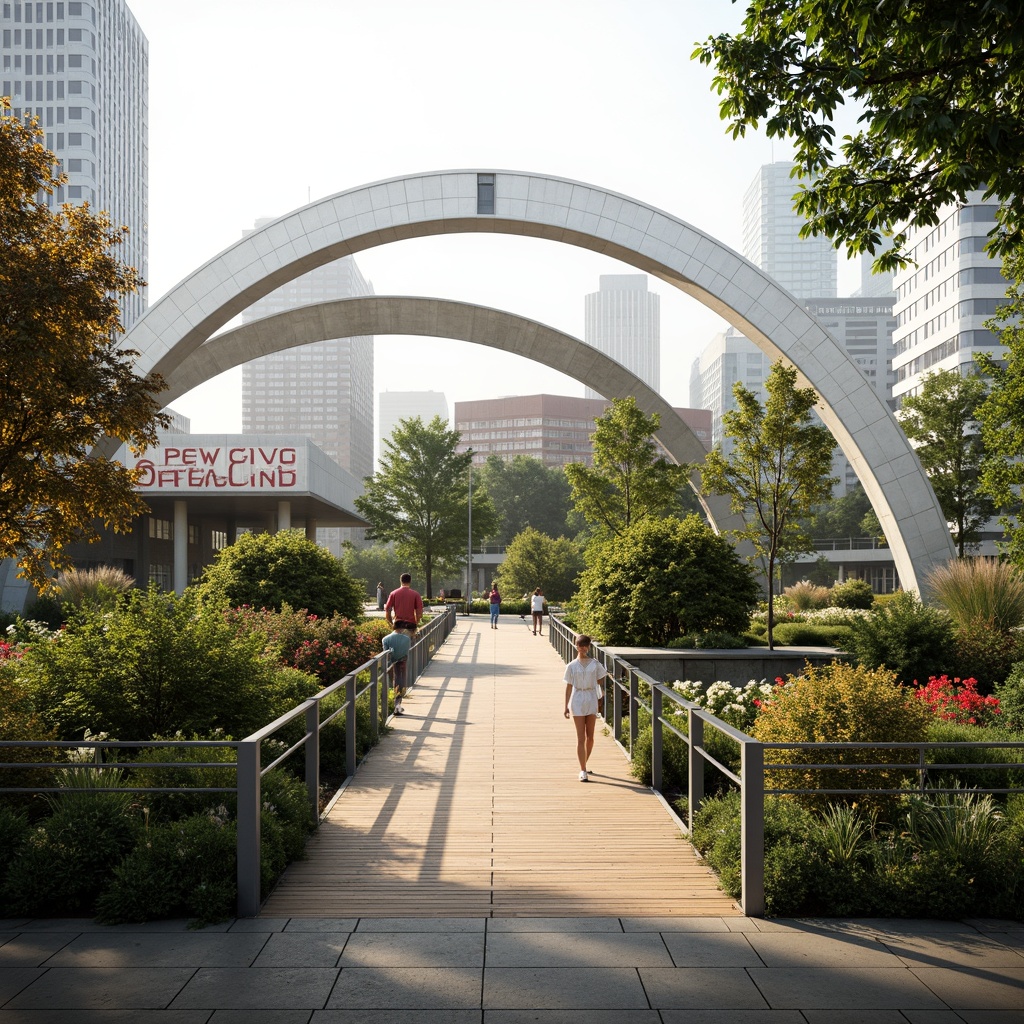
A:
[626, 681]
[249, 771]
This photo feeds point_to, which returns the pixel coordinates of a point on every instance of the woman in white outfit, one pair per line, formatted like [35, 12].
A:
[584, 698]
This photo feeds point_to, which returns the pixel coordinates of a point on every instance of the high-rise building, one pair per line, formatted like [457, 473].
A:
[806, 267]
[623, 320]
[945, 296]
[729, 358]
[81, 69]
[323, 391]
[393, 406]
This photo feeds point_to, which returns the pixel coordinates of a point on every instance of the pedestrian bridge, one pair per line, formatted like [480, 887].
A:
[472, 807]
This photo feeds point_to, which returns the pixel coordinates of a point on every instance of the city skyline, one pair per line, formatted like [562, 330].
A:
[257, 155]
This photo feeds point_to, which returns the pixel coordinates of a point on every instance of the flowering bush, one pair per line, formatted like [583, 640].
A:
[733, 704]
[329, 660]
[956, 700]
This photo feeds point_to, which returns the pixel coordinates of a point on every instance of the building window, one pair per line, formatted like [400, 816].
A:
[161, 529]
[485, 193]
[162, 576]
[218, 539]
[193, 533]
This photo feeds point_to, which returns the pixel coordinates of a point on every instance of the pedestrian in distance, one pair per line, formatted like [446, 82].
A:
[404, 606]
[397, 644]
[584, 699]
[495, 599]
[380, 597]
[537, 603]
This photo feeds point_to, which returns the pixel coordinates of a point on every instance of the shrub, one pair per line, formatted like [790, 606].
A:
[661, 578]
[737, 705]
[156, 664]
[20, 720]
[271, 570]
[956, 700]
[806, 595]
[988, 774]
[986, 653]
[904, 636]
[839, 703]
[810, 634]
[852, 594]
[980, 590]
[1010, 693]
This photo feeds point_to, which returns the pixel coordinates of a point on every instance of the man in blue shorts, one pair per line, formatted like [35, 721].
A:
[397, 645]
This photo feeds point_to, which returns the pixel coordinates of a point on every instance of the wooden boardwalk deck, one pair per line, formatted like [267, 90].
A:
[472, 807]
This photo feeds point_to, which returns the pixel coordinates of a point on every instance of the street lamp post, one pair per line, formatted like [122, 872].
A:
[469, 540]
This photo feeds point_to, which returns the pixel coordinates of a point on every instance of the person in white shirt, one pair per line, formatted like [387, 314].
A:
[537, 603]
[584, 698]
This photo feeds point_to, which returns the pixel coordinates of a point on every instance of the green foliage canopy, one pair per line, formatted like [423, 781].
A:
[660, 578]
[526, 493]
[939, 88]
[419, 498]
[630, 481]
[534, 559]
[267, 570]
[778, 470]
[940, 421]
[66, 381]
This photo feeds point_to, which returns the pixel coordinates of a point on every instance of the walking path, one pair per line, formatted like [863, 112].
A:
[564, 913]
[473, 807]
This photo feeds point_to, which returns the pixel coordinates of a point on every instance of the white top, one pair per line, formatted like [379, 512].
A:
[585, 678]
[537, 603]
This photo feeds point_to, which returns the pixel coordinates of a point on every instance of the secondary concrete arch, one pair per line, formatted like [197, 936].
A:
[444, 318]
[584, 215]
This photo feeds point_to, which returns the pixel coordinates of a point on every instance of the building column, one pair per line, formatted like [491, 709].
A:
[311, 530]
[180, 546]
[284, 515]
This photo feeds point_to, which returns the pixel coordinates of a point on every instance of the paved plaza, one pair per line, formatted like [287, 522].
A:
[453, 919]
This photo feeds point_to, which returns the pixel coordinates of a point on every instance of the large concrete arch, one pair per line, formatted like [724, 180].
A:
[583, 215]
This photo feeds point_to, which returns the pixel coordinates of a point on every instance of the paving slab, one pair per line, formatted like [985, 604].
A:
[15, 979]
[846, 988]
[675, 924]
[554, 924]
[419, 924]
[701, 988]
[994, 988]
[414, 949]
[409, 988]
[394, 1017]
[592, 949]
[100, 988]
[84, 924]
[322, 924]
[818, 950]
[272, 988]
[258, 924]
[604, 988]
[108, 1016]
[33, 950]
[711, 949]
[732, 1017]
[971, 951]
[572, 1017]
[260, 1016]
[302, 949]
[861, 1016]
[155, 950]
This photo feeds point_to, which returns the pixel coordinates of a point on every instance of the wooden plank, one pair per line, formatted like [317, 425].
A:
[472, 807]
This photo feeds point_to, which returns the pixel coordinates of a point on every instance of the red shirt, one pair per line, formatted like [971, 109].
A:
[406, 604]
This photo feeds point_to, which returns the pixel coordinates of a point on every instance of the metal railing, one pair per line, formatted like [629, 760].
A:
[625, 680]
[249, 770]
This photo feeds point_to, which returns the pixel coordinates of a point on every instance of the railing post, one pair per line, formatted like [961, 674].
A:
[634, 709]
[617, 710]
[656, 739]
[752, 827]
[350, 725]
[374, 714]
[695, 767]
[247, 780]
[313, 758]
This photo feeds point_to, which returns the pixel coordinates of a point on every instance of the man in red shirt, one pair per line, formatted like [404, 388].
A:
[404, 607]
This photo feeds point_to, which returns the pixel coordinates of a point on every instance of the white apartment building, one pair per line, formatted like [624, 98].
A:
[806, 267]
[623, 320]
[943, 301]
[81, 68]
[394, 406]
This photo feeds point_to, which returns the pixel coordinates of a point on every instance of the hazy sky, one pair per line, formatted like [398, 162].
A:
[257, 107]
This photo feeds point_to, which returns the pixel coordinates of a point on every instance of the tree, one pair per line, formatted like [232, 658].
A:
[419, 498]
[525, 493]
[778, 469]
[841, 517]
[1001, 415]
[270, 570]
[939, 88]
[941, 423]
[630, 480]
[376, 563]
[660, 578]
[66, 383]
[534, 559]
